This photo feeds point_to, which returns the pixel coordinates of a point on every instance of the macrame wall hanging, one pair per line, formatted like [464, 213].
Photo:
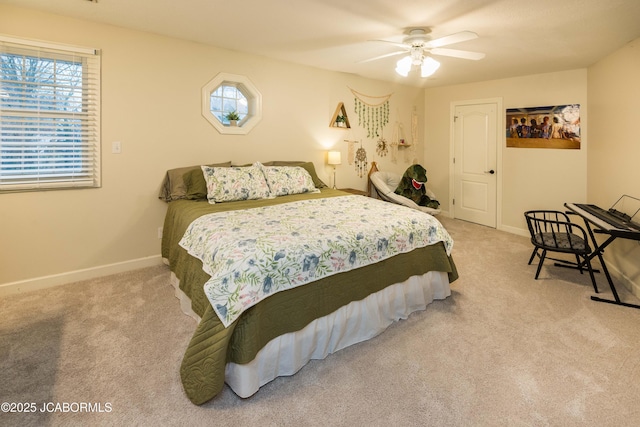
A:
[410, 154]
[372, 111]
[351, 150]
[414, 127]
[397, 139]
[361, 161]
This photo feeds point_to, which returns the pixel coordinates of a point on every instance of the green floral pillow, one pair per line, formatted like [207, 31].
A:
[235, 183]
[174, 186]
[283, 180]
[308, 166]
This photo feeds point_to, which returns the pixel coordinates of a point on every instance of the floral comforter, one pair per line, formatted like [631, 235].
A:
[254, 253]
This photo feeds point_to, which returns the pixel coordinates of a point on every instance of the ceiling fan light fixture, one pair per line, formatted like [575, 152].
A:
[429, 66]
[420, 46]
[403, 66]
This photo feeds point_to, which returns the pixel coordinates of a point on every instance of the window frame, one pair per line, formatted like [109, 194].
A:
[39, 120]
[254, 100]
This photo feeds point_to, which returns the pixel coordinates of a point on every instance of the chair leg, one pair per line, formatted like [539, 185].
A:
[579, 263]
[593, 278]
[533, 255]
[544, 254]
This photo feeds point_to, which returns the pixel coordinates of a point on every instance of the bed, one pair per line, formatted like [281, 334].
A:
[276, 334]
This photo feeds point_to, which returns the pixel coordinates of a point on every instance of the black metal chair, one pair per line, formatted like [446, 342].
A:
[552, 231]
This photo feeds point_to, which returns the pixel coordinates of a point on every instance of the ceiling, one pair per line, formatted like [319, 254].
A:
[518, 37]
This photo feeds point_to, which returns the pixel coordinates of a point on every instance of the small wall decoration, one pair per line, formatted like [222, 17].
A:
[340, 118]
[544, 127]
[394, 152]
[373, 115]
[351, 150]
[414, 127]
[394, 143]
[361, 161]
[382, 148]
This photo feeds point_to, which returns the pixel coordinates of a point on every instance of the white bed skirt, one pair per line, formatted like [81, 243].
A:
[353, 323]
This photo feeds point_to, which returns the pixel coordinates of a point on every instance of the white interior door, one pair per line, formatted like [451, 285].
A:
[475, 163]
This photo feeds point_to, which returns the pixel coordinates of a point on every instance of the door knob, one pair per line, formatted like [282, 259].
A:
[491, 171]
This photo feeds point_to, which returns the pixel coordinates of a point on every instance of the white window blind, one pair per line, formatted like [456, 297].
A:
[49, 116]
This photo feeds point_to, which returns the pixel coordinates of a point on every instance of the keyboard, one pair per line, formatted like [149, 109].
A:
[615, 219]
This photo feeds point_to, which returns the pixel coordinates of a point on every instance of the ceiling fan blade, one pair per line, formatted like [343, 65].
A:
[455, 53]
[462, 36]
[397, 44]
[382, 56]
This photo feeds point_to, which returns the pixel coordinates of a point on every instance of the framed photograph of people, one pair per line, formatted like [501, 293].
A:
[544, 127]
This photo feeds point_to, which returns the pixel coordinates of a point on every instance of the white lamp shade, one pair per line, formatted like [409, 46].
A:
[403, 66]
[333, 158]
[429, 66]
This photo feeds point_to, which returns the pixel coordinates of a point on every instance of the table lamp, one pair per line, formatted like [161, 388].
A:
[333, 159]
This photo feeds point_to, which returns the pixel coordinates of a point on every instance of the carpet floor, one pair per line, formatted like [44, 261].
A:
[502, 350]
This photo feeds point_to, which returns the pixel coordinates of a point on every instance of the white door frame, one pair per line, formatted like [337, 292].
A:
[501, 141]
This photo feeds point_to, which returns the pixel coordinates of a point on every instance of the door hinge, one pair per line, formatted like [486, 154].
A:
[453, 201]
[455, 118]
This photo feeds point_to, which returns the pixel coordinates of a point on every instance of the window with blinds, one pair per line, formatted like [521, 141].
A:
[49, 116]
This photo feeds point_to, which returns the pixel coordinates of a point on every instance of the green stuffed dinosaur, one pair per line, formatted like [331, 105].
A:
[412, 186]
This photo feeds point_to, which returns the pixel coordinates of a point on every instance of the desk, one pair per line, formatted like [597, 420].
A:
[614, 232]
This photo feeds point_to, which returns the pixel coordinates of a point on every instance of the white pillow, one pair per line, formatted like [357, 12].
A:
[235, 183]
[283, 180]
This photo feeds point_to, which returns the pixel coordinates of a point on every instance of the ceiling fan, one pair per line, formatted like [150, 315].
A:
[419, 46]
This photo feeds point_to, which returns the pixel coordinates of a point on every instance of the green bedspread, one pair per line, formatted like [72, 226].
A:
[213, 345]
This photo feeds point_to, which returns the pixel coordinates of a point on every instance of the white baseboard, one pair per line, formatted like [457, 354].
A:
[619, 277]
[514, 230]
[34, 284]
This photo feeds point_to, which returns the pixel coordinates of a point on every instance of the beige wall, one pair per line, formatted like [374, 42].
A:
[151, 103]
[614, 150]
[531, 178]
[151, 98]
[605, 167]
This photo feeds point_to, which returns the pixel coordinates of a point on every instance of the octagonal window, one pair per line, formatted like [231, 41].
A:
[227, 100]
[227, 94]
